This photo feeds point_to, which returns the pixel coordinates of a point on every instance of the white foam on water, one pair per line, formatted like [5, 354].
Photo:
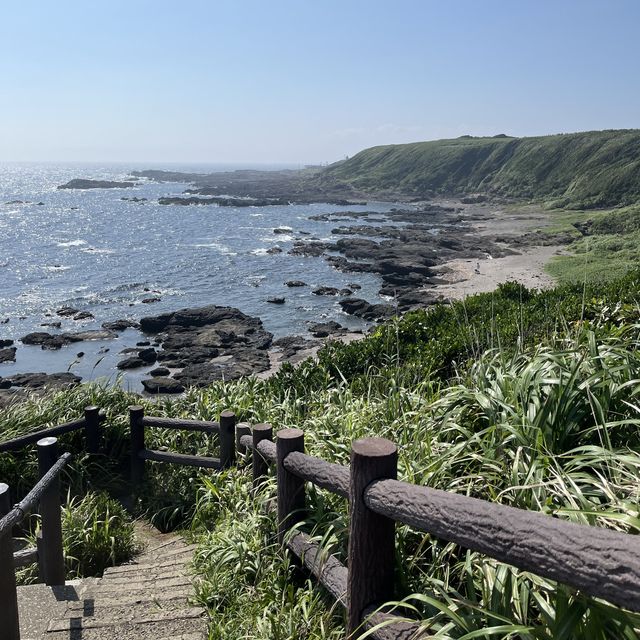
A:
[221, 248]
[72, 243]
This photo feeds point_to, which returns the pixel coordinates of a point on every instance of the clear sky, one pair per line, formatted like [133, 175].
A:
[305, 80]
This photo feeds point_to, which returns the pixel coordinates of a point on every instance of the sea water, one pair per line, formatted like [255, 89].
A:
[94, 251]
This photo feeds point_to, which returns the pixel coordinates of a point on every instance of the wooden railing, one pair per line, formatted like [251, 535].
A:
[49, 552]
[139, 453]
[599, 562]
[90, 423]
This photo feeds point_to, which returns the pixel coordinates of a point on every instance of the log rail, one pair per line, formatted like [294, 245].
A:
[599, 562]
[49, 552]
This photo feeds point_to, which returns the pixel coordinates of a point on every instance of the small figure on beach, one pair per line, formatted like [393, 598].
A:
[477, 269]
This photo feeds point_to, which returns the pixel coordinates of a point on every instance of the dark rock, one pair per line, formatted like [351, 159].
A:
[143, 343]
[80, 354]
[150, 300]
[346, 292]
[83, 315]
[291, 345]
[326, 291]
[8, 354]
[5, 384]
[282, 230]
[5, 343]
[81, 183]
[295, 283]
[53, 325]
[6, 320]
[120, 325]
[363, 309]
[323, 329]
[148, 355]
[131, 363]
[67, 311]
[159, 372]
[274, 250]
[50, 341]
[162, 385]
[276, 300]
[41, 380]
[313, 249]
[355, 286]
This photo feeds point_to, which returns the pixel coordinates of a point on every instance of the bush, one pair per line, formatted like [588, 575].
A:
[97, 533]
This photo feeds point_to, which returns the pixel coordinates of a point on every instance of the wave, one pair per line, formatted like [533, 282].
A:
[223, 249]
[72, 243]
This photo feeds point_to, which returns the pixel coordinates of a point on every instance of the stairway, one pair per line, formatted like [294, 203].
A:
[149, 598]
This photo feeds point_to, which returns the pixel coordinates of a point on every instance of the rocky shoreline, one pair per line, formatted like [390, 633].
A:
[411, 250]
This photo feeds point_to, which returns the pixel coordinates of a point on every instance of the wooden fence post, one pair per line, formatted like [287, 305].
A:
[371, 552]
[227, 439]
[136, 414]
[52, 560]
[242, 429]
[8, 594]
[291, 499]
[92, 429]
[260, 465]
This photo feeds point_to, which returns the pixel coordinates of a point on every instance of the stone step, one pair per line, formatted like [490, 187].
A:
[131, 569]
[141, 582]
[122, 617]
[182, 628]
[133, 598]
[126, 608]
[150, 573]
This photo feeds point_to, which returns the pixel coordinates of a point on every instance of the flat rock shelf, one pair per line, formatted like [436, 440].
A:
[147, 599]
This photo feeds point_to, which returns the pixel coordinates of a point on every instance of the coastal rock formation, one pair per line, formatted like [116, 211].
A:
[51, 341]
[162, 385]
[363, 309]
[62, 380]
[8, 354]
[120, 325]
[289, 346]
[326, 291]
[325, 329]
[82, 183]
[210, 343]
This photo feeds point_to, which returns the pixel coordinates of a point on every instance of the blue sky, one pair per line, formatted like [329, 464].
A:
[305, 81]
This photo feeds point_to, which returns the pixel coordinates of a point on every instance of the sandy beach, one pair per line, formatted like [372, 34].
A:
[465, 277]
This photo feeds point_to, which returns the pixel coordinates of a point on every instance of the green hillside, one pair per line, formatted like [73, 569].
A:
[577, 170]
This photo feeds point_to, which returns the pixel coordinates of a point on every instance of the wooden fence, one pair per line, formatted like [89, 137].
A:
[599, 562]
[49, 552]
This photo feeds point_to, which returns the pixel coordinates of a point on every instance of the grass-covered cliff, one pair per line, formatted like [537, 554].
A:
[576, 170]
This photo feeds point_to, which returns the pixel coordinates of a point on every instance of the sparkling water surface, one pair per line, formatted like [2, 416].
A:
[94, 251]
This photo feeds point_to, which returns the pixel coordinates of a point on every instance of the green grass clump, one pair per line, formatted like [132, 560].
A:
[97, 533]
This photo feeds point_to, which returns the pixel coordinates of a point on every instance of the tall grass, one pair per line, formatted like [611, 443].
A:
[518, 397]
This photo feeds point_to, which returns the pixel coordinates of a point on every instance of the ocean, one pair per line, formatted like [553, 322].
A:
[94, 251]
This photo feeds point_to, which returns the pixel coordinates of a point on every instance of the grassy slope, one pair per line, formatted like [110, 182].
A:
[536, 408]
[581, 170]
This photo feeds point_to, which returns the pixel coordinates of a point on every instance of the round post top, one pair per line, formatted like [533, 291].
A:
[374, 447]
